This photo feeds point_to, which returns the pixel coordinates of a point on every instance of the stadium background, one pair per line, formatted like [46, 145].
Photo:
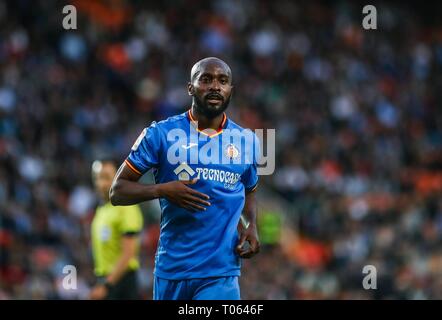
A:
[357, 118]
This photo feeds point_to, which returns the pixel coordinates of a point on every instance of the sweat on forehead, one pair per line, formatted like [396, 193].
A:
[200, 65]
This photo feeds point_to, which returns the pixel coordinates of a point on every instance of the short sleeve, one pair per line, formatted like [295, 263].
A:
[250, 176]
[145, 151]
[131, 219]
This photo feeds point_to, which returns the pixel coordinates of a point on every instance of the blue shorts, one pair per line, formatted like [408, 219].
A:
[219, 288]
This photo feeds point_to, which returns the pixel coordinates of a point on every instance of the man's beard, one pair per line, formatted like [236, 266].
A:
[209, 111]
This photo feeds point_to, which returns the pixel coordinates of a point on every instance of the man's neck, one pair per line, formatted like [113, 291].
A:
[204, 122]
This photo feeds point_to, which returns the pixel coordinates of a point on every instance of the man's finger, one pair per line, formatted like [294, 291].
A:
[242, 239]
[197, 200]
[251, 250]
[241, 242]
[193, 205]
[189, 208]
[245, 248]
[199, 194]
[186, 206]
[248, 254]
[254, 245]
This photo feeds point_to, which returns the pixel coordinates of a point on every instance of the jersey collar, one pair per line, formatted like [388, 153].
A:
[219, 131]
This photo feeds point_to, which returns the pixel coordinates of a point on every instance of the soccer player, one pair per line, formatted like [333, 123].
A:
[115, 240]
[201, 238]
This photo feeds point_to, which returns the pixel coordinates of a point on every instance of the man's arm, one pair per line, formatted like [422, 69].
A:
[126, 190]
[249, 231]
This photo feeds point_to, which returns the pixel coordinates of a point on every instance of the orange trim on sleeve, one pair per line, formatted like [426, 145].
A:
[132, 167]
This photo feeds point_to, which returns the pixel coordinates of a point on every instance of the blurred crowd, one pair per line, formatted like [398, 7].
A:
[358, 126]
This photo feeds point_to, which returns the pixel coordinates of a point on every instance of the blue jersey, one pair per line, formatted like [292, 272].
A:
[198, 244]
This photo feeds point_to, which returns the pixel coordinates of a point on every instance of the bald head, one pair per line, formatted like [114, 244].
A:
[201, 65]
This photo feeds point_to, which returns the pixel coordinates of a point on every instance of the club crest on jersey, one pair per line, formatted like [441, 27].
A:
[231, 151]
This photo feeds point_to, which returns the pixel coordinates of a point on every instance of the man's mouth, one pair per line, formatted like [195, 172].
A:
[214, 98]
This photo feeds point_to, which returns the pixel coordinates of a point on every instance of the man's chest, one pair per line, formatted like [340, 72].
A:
[218, 162]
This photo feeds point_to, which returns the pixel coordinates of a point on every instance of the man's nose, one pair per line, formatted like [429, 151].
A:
[215, 86]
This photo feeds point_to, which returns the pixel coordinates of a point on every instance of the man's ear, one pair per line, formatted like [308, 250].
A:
[190, 89]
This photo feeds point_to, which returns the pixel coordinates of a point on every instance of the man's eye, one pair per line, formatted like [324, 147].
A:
[205, 79]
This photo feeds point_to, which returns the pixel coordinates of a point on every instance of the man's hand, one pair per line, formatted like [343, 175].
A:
[180, 194]
[249, 235]
[99, 292]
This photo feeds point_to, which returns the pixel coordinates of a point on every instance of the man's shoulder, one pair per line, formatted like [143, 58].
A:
[234, 127]
[170, 122]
